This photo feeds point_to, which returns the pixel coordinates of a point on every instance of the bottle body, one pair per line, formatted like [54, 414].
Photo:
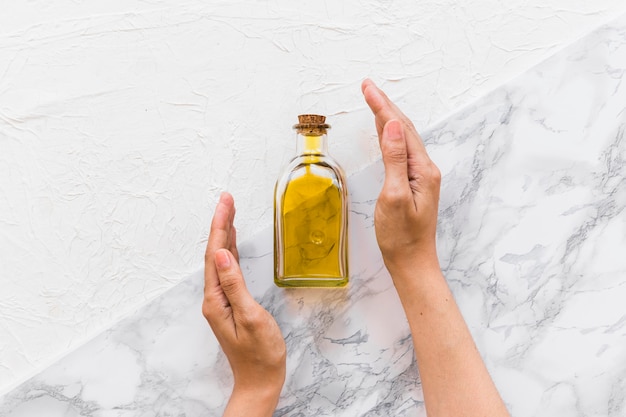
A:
[311, 220]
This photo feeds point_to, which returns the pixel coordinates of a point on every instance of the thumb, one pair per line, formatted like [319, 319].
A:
[231, 280]
[394, 149]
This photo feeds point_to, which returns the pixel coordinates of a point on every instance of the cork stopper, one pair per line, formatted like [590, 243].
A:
[311, 125]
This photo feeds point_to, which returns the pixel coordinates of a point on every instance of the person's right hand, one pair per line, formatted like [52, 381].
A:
[405, 217]
[453, 376]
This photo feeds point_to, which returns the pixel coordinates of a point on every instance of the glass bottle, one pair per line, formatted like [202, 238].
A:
[311, 213]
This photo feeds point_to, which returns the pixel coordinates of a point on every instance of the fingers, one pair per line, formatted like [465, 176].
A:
[395, 156]
[224, 216]
[384, 110]
[222, 236]
[233, 243]
[232, 283]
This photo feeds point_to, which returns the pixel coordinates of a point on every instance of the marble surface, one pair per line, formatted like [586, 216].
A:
[532, 240]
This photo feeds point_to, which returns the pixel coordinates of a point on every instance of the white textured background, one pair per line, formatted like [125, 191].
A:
[121, 121]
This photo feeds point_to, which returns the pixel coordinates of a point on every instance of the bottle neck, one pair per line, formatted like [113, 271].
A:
[311, 145]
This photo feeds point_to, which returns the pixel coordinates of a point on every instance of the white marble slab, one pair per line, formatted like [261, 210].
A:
[532, 240]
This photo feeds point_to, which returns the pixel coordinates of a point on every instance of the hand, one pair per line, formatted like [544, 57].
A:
[405, 217]
[247, 333]
[454, 378]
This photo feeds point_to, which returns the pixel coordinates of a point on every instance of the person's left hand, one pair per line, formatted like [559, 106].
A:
[248, 334]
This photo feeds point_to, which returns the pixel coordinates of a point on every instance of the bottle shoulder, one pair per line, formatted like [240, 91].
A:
[324, 162]
[324, 168]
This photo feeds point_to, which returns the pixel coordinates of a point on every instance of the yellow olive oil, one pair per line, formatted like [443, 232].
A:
[310, 234]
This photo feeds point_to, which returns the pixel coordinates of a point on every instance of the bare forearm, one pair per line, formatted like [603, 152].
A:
[454, 378]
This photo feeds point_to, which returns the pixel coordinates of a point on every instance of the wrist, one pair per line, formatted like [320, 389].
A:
[260, 400]
[416, 263]
[418, 279]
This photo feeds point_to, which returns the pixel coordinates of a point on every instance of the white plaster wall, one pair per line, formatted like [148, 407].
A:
[121, 121]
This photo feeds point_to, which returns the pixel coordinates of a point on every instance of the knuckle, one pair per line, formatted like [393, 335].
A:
[230, 283]
[253, 318]
[393, 196]
[409, 124]
[208, 312]
[395, 153]
[435, 174]
[208, 257]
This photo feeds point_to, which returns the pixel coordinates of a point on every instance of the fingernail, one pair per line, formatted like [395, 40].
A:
[222, 260]
[394, 129]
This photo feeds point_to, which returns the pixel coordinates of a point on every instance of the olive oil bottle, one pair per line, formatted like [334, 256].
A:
[311, 213]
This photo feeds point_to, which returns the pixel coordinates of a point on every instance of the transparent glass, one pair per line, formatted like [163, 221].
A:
[311, 217]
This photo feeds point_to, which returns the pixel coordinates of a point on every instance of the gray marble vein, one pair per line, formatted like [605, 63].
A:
[532, 240]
